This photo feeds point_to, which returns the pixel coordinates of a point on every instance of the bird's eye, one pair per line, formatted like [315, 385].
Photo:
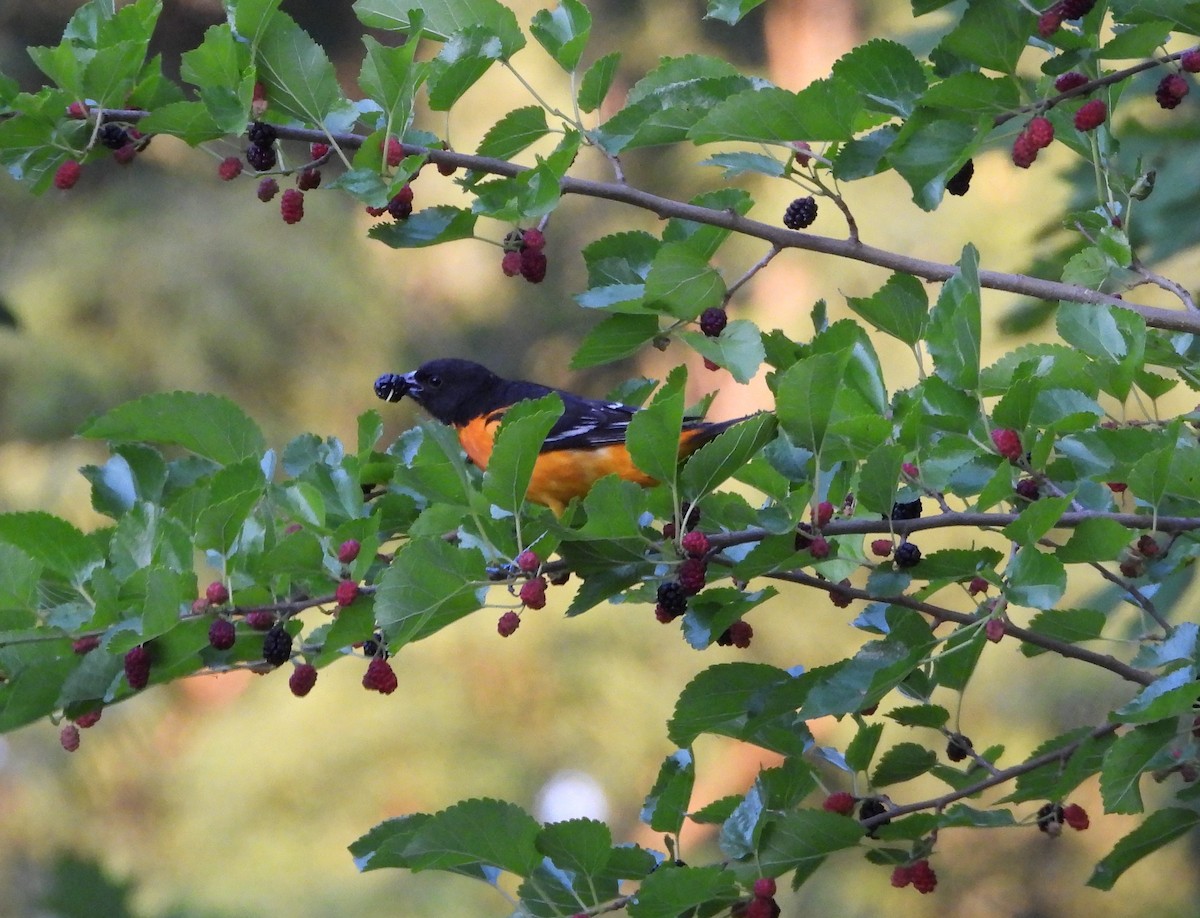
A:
[433, 382]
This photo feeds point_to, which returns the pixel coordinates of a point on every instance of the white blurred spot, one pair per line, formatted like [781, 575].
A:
[570, 795]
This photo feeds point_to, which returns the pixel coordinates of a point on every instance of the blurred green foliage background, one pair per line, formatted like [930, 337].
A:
[229, 797]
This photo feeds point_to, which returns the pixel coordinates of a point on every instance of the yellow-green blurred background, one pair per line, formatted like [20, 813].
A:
[228, 797]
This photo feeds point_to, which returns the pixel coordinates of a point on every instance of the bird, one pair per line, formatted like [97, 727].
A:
[585, 444]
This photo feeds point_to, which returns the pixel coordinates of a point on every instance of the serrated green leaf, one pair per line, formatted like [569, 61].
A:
[1035, 579]
[801, 840]
[903, 762]
[991, 34]
[1168, 696]
[920, 715]
[616, 337]
[886, 75]
[824, 110]
[880, 478]
[478, 831]
[899, 308]
[299, 77]
[593, 88]
[805, 395]
[465, 57]
[428, 586]
[390, 78]
[653, 438]
[1127, 760]
[954, 325]
[671, 891]
[563, 32]
[1070, 625]
[730, 11]
[443, 18]
[1159, 828]
[666, 805]
[1036, 520]
[682, 283]
[723, 456]
[861, 750]
[514, 132]
[52, 542]
[738, 349]
[211, 426]
[718, 700]
[431, 226]
[517, 443]
[955, 665]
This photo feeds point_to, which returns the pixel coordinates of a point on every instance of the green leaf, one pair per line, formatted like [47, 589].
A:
[563, 32]
[730, 11]
[616, 337]
[928, 150]
[653, 437]
[191, 122]
[972, 93]
[671, 891]
[1036, 520]
[682, 283]
[443, 18]
[431, 226]
[804, 398]
[593, 88]
[903, 762]
[52, 542]
[823, 110]
[390, 77]
[666, 805]
[1159, 828]
[920, 715]
[899, 308]
[663, 105]
[211, 426]
[861, 750]
[956, 663]
[802, 839]
[299, 77]
[465, 57]
[886, 75]
[991, 34]
[738, 349]
[718, 700]
[1169, 696]
[954, 325]
[736, 164]
[384, 845]
[515, 450]
[233, 493]
[476, 832]
[579, 846]
[879, 478]
[428, 586]
[1127, 759]
[723, 456]
[1034, 579]
[1070, 625]
[514, 132]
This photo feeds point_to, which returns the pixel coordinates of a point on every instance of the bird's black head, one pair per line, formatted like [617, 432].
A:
[452, 390]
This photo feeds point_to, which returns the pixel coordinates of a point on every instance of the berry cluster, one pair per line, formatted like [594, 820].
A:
[137, 667]
[1037, 135]
[736, 635]
[919, 874]
[524, 254]
[533, 591]
[1052, 817]
[1133, 562]
[1050, 21]
[907, 555]
[1091, 115]
[958, 747]
[839, 802]
[960, 183]
[1007, 443]
[1171, 90]
[713, 321]
[380, 677]
[800, 213]
[277, 646]
[763, 905]
[672, 601]
[302, 679]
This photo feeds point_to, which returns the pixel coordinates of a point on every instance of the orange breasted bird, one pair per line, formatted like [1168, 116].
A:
[584, 445]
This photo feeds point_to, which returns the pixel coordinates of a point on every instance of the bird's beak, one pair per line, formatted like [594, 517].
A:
[391, 387]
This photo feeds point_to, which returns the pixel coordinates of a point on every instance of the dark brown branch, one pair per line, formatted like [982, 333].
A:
[781, 237]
